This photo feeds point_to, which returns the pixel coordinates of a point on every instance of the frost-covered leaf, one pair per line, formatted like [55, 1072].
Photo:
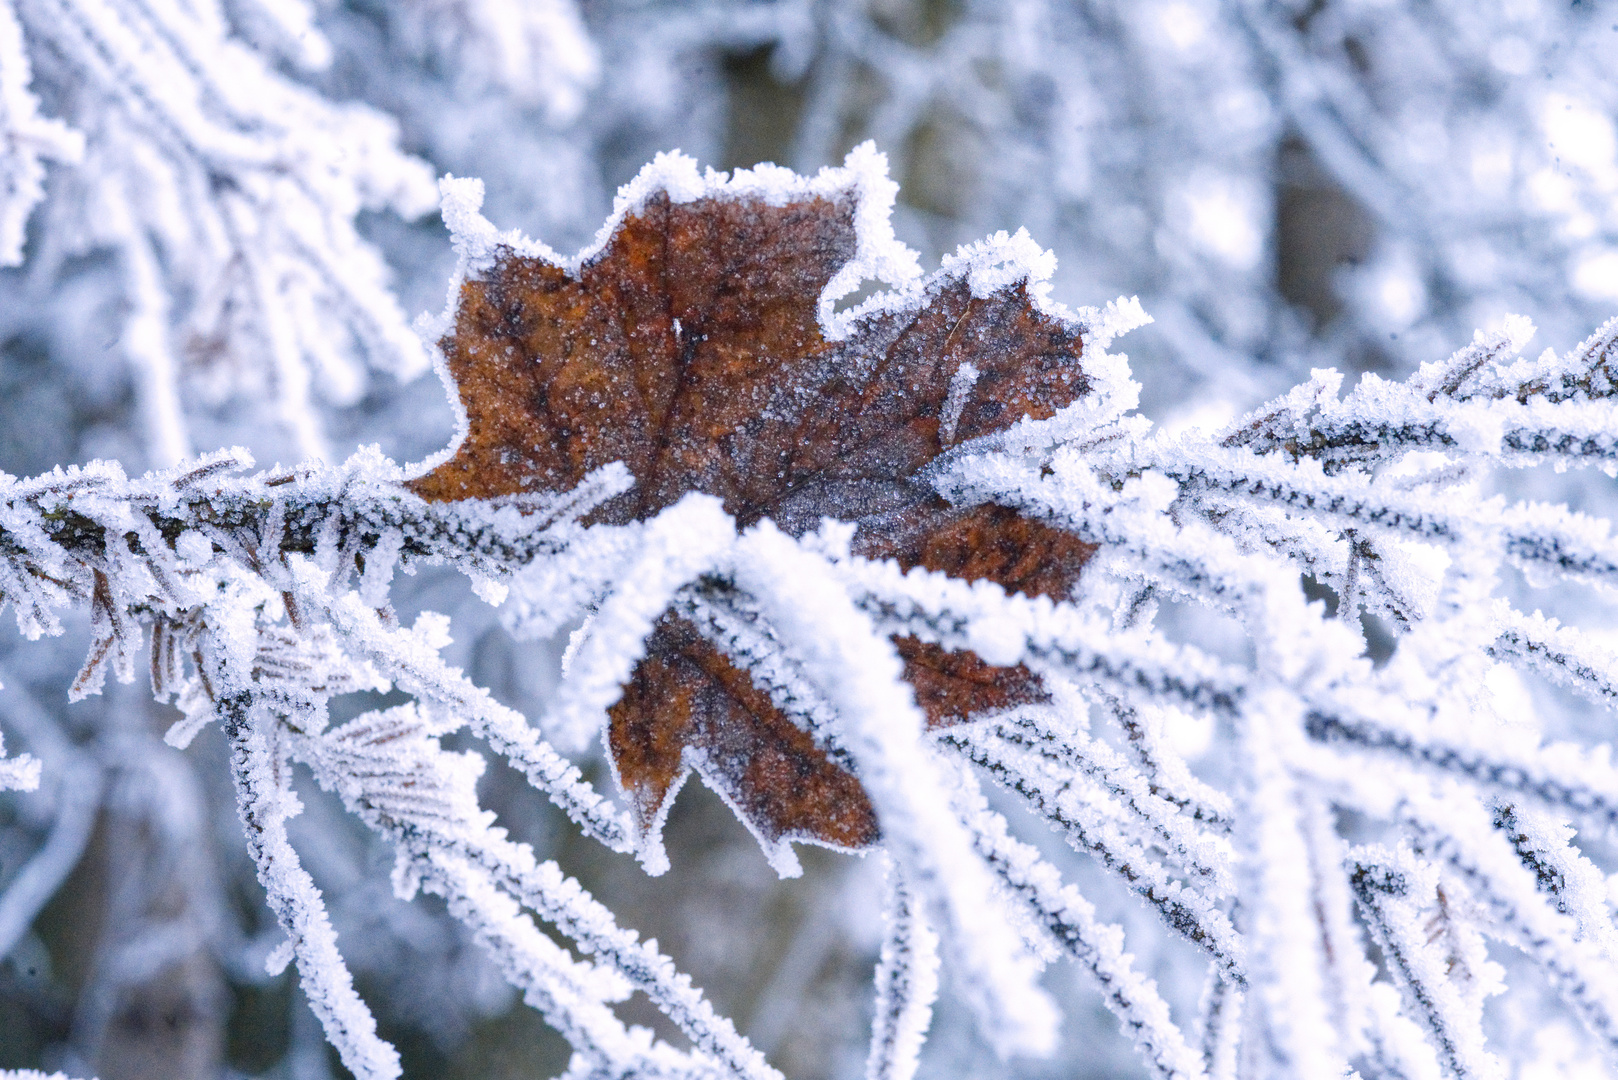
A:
[698, 344]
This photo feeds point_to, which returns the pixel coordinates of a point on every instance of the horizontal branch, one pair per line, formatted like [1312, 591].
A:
[80, 512]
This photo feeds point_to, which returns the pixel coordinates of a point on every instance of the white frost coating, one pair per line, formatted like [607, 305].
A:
[879, 254]
[960, 390]
[390, 769]
[1113, 321]
[1001, 260]
[862, 178]
[1184, 518]
[1435, 957]
[560, 900]
[415, 666]
[988, 266]
[265, 803]
[906, 984]
[534, 963]
[677, 546]
[1071, 919]
[859, 673]
[1093, 811]
[1496, 877]
[475, 239]
[277, 959]
[547, 594]
[1289, 1017]
[473, 236]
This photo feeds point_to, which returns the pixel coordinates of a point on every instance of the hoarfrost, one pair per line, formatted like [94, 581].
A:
[1366, 792]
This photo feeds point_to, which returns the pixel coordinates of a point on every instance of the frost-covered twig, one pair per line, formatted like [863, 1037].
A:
[906, 984]
[1070, 919]
[265, 802]
[1067, 805]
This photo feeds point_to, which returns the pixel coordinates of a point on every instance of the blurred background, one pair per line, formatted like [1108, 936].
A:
[233, 254]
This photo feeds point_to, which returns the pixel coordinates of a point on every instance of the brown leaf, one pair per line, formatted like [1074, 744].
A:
[687, 705]
[689, 347]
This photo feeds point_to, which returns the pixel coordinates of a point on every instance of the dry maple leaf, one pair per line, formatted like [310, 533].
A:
[696, 344]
